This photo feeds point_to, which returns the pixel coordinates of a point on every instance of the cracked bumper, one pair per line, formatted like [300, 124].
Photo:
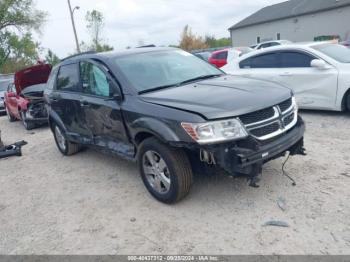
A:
[247, 157]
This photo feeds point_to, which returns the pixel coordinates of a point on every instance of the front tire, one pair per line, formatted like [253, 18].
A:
[348, 102]
[9, 116]
[165, 171]
[64, 146]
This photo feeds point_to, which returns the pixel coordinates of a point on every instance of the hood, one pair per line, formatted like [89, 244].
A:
[34, 92]
[223, 97]
[34, 75]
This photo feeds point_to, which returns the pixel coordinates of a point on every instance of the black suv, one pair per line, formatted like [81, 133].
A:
[172, 113]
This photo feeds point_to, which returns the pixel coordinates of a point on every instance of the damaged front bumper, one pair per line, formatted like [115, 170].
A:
[37, 112]
[247, 157]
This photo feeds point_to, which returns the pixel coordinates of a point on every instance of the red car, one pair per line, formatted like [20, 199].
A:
[220, 58]
[24, 98]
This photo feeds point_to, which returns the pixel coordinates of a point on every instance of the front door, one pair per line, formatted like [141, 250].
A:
[314, 88]
[101, 109]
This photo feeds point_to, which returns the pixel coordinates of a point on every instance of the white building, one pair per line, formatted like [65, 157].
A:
[295, 20]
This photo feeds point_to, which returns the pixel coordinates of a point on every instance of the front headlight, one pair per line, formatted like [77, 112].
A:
[217, 131]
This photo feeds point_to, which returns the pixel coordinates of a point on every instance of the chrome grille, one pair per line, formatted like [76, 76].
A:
[270, 122]
[265, 130]
[257, 116]
[288, 120]
[286, 105]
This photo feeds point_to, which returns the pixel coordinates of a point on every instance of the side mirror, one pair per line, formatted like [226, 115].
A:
[11, 94]
[319, 64]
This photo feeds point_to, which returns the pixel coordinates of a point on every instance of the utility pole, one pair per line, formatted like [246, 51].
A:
[73, 24]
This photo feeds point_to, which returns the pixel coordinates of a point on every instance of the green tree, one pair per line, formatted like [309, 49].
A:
[52, 58]
[95, 25]
[17, 52]
[17, 19]
[212, 42]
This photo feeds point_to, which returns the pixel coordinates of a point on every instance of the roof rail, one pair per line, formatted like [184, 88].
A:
[83, 53]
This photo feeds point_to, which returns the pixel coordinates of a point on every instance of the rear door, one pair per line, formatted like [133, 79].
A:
[313, 87]
[101, 106]
[66, 101]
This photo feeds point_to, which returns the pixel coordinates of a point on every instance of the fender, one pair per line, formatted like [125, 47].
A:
[22, 103]
[155, 127]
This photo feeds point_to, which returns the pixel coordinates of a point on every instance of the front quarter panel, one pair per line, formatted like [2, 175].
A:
[343, 85]
[160, 121]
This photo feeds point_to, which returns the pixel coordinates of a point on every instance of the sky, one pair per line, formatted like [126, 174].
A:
[134, 22]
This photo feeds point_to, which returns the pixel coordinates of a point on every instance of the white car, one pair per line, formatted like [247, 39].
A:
[318, 73]
[271, 44]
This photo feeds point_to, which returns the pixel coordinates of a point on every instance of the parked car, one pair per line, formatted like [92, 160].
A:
[346, 43]
[24, 98]
[203, 55]
[318, 73]
[172, 113]
[4, 83]
[271, 44]
[221, 57]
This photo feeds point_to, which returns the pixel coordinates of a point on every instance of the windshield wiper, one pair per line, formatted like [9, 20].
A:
[203, 77]
[157, 88]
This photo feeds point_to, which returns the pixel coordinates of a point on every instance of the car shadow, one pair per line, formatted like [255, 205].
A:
[305, 112]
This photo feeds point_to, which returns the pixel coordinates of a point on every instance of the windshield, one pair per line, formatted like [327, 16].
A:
[148, 71]
[4, 84]
[337, 52]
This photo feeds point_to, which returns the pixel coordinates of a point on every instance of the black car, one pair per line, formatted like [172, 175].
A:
[172, 113]
[203, 55]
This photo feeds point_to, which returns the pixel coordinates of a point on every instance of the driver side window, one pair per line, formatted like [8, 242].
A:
[94, 80]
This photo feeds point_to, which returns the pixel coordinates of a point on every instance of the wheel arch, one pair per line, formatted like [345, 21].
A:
[148, 127]
[344, 100]
[55, 119]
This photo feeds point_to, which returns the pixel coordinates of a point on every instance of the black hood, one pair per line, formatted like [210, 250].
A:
[34, 91]
[222, 97]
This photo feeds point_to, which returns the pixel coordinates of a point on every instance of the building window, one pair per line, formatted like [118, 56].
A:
[258, 40]
[278, 36]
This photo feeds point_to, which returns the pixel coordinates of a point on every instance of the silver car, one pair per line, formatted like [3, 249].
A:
[4, 83]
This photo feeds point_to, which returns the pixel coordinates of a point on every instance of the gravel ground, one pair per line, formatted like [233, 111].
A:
[93, 203]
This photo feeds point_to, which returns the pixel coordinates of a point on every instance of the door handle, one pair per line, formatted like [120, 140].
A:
[286, 74]
[54, 98]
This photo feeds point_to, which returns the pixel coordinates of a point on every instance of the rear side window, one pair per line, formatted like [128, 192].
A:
[221, 55]
[271, 60]
[94, 80]
[68, 78]
[296, 59]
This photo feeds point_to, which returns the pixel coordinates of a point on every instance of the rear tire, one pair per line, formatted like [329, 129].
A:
[348, 102]
[27, 124]
[9, 116]
[165, 171]
[64, 146]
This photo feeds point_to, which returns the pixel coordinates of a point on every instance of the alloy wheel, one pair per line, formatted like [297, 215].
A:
[8, 114]
[156, 172]
[61, 141]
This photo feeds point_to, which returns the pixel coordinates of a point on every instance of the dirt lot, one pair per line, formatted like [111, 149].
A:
[93, 203]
